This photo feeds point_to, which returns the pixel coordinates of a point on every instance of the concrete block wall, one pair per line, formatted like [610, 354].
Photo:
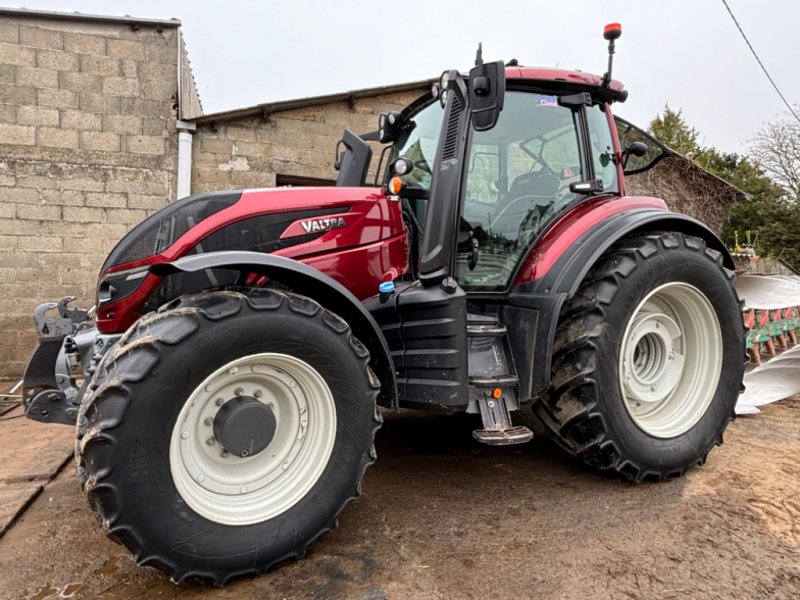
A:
[87, 149]
[250, 152]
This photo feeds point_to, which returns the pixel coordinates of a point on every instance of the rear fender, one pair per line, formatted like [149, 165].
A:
[559, 268]
[310, 282]
[546, 293]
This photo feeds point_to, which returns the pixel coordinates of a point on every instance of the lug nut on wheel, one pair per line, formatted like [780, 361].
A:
[211, 441]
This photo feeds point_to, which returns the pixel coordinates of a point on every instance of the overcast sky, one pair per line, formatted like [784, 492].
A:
[687, 53]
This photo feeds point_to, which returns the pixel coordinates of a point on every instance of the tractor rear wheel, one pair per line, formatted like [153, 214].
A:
[648, 359]
[226, 432]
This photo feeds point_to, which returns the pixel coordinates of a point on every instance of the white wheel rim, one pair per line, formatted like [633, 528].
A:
[233, 490]
[670, 360]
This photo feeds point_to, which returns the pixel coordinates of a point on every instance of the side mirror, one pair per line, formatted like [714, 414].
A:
[637, 149]
[487, 90]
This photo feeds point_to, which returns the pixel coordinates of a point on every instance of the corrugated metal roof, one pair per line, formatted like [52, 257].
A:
[76, 16]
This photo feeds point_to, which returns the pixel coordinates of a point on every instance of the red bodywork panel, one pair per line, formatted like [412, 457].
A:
[372, 242]
[367, 243]
[551, 74]
[572, 226]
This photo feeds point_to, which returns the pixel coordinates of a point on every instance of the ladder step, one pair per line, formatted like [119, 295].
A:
[486, 330]
[494, 381]
[503, 437]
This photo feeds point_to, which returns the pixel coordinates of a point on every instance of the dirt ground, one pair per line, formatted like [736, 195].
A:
[443, 517]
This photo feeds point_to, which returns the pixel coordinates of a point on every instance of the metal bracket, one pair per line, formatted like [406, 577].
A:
[66, 322]
[52, 406]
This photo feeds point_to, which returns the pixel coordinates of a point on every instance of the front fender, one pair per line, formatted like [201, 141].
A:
[310, 282]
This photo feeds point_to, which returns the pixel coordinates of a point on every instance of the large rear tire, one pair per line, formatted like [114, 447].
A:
[225, 433]
[648, 359]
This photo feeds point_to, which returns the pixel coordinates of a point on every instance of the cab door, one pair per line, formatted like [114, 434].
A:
[517, 181]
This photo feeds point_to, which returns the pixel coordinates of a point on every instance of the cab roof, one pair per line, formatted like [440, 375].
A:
[571, 80]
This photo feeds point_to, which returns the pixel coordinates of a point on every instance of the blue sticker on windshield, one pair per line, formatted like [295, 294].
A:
[545, 100]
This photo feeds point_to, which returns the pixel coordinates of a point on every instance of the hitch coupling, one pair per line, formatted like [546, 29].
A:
[62, 365]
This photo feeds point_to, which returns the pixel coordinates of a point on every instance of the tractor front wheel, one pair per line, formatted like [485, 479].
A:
[648, 358]
[224, 433]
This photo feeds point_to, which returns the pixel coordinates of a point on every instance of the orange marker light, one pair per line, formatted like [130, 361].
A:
[497, 393]
[395, 185]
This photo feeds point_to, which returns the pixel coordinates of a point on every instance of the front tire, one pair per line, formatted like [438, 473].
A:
[648, 359]
[225, 433]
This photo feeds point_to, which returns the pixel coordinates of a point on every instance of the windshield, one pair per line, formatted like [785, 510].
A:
[418, 139]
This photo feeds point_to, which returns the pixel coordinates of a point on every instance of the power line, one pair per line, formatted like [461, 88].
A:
[761, 64]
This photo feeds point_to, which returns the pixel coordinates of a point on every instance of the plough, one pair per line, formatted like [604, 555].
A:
[772, 318]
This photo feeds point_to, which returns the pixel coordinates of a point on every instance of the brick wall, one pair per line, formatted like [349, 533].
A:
[87, 149]
[248, 153]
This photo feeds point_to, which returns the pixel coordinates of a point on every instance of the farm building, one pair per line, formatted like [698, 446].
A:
[93, 110]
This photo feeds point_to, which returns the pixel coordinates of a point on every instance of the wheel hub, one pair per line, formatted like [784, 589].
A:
[244, 426]
[651, 367]
[252, 438]
[670, 360]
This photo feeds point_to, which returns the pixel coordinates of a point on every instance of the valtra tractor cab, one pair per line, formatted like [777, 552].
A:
[226, 390]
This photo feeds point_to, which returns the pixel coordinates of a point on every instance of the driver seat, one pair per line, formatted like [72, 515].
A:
[541, 184]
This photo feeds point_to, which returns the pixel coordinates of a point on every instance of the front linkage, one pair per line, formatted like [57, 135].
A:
[68, 351]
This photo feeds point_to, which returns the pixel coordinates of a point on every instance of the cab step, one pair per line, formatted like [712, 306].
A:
[494, 408]
[494, 386]
[503, 437]
[486, 330]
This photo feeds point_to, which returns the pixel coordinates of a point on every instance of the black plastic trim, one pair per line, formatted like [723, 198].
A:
[134, 235]
[426, 329]
[310, 282]
[438, 241]
[547, 295]
[566, 274]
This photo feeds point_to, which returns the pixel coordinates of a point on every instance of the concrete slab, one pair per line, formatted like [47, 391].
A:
[33, 454]
[443, 517]
[14, 499]
[32, 451]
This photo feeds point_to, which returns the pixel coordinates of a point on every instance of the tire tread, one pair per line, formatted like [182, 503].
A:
[568, 409]
[138, 350]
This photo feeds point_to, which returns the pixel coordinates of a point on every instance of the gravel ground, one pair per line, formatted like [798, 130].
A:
[443, 517]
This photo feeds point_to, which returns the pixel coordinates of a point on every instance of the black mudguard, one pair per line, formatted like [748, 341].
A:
[541, 300]
[310, 282]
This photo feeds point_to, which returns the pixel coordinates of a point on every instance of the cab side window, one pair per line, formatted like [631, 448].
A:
[603, 155]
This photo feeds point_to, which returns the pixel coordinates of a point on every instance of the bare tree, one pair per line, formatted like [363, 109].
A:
[777, 149]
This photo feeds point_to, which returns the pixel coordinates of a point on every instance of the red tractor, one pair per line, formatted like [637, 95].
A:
[226, 391]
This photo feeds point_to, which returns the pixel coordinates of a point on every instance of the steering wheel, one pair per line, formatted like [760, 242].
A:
[539, 201]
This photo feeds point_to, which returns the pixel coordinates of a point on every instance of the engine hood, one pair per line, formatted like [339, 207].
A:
[281, 220]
